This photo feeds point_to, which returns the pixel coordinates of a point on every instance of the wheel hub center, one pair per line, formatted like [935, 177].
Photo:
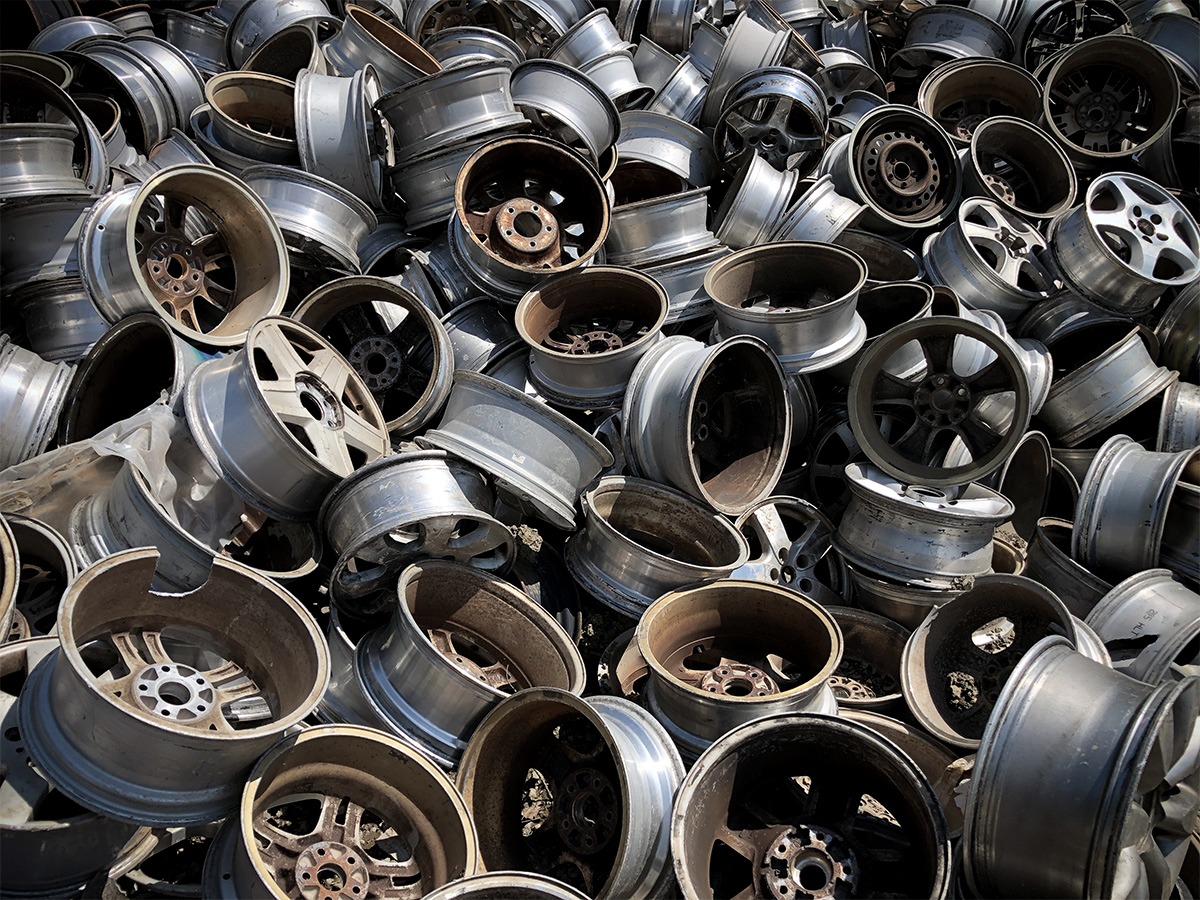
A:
[173, 691]
[1097, 112]
[320, 402]
[906, 167]
[378, 362]
[1016, 245]
[592, 342]
[808, 862]
[329, 869]
[586, 811]
[526, 226]
[942, 400]
[965, 127]
[733, 679]
[174, 268]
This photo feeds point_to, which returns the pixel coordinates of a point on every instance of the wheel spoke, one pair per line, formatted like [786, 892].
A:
[359, 433]
[285, 403]
[993, 378]
[279, 350]
[331, 369]
[329, 446]
[891, 390]
[937, 349]
[980, 439]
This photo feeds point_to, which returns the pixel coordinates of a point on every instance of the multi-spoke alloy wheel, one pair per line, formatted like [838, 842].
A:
[776, 113]
[808, 806]
[941, 404]
[302, 419]
[791, 544]
[341, 811]
[194, 245]
[154, 708]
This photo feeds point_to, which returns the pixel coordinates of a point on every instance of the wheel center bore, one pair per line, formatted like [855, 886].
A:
[173, 691]
[526, 226]
[1097, 112]
[586, 811]
[733, 679]
[318, 400]
[378, 362]
[906, 168]
[805, 862]
[329, 870]
[174, 268]
[942, 400]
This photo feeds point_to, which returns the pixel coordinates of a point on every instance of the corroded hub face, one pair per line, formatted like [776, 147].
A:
[526, 226]
[586, 811]
[378, 362]
[175, 692]
[806, 862]
[329, 870]
[174, 268]
[1097, 111]
[734, 679]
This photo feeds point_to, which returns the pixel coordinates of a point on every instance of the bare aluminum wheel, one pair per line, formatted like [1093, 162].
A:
[427, 20]
[1044, 28]
[883, 307]
[594, 46]
[944, 32]
[497, 885]
[1049, 562]
[459, 641]
[1179, 333]
[137, 252]
[672, 23]
[682, 94]
[537, 25]
[480, 334]
[465, 44]
[288, 52]
[958, 660]
[303, 419]
[663, 228]
[1093, 391]
[1115, 830]
[61, 322]
[757, 38]
[393, 341]
[173, 709]
[456, 104]
[38, 161]
[587, 330]
[992, 258]
[1179, 421]
[754, 202]
[791, 544]
[916, 534]
[404, 508]
[821, 214]
[905, 604]
[854, 106]
[793, 806]
[1054, 319]
[342, 811]
[525, 208]
[844, 76]
[901, 164]
[200, 39]
[941, 404]
[343, 702]
[868, 677]
[799, 298]
[51, 845]
[540, 459]
[667, 143]
[319, 220]
[339, 134]
[32, 394]
[1020, 166]
[1127, 243]
[640, 540]
[70, 31]
[566, 104]
[1150, 622]
[254, 115]
[580, 790]
[256, 21]
[128, 369]
[1124, 503]
[726, 439]
[776, 113]
[1108, 97]
[45, 568]
[654, 64]
[726, 653]
[38, 96]
[960, 95]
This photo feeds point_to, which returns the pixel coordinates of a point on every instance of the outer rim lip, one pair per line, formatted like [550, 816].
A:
[1048, 143]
